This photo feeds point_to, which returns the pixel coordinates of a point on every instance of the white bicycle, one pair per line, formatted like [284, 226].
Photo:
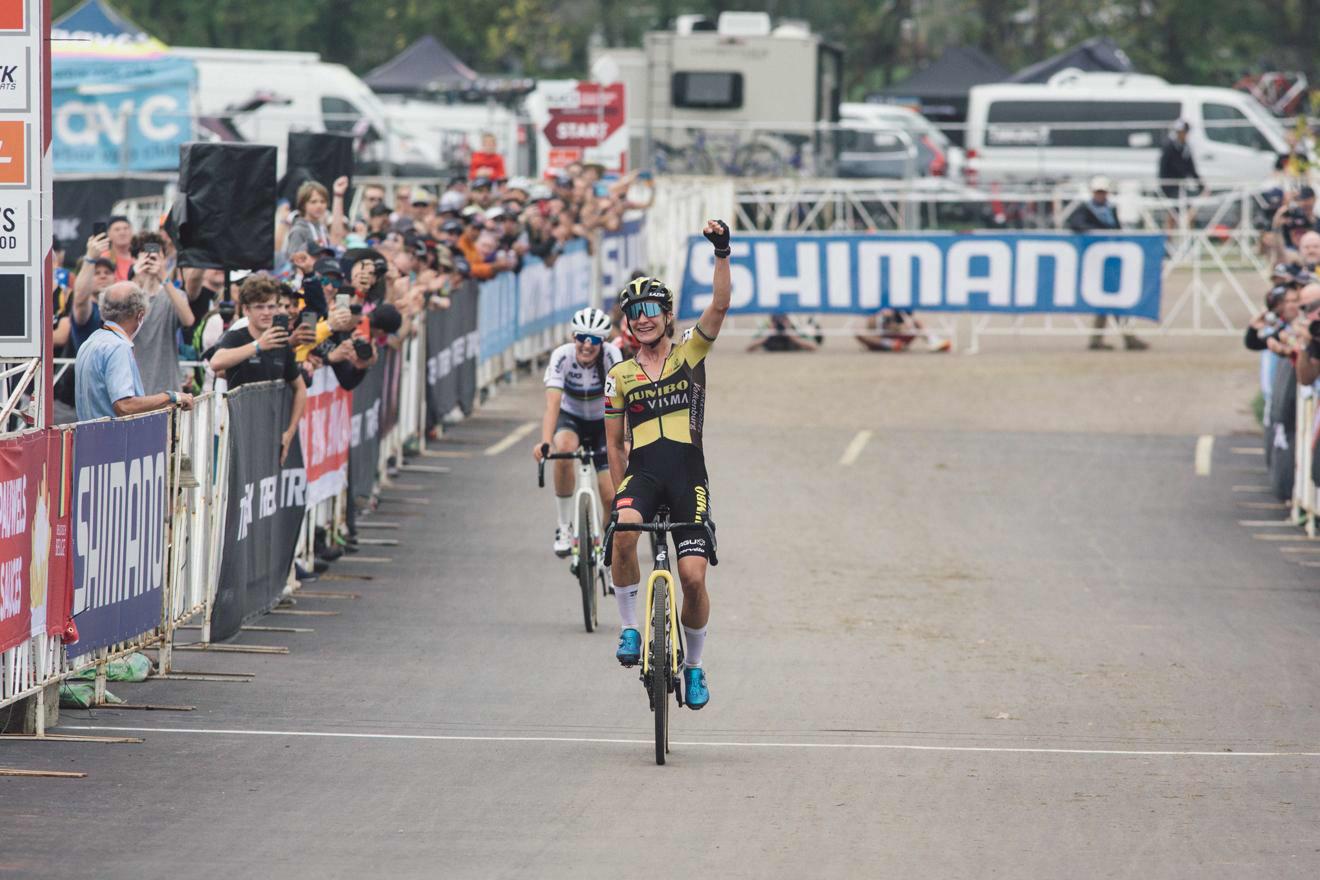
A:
[586, 558]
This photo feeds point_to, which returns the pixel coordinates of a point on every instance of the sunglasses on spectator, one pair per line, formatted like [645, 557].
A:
[587, 339]
[649, 308]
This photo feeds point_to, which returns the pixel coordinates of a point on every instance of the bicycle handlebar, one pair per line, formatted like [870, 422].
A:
[661, 528]
[581, 453]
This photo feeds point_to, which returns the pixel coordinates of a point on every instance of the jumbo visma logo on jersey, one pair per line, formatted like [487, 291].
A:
[659, 399]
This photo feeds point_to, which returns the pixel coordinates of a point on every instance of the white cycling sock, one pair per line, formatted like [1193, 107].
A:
[694, 641]
[565, 506]
[627, 599]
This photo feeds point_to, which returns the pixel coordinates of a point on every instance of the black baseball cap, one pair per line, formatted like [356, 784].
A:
[117, 218]
[328, 266]
[380, 209]
[386, 318]
[1306, 192]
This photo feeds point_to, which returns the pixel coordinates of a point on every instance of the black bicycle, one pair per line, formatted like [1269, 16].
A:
[662, 637]
[585, 565]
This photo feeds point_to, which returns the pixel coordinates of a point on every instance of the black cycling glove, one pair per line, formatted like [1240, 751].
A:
[720, 239]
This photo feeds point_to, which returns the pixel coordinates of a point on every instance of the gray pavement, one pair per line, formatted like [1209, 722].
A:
[1016, 637]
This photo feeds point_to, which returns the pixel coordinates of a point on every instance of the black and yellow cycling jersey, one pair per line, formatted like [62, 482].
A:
[670, 406]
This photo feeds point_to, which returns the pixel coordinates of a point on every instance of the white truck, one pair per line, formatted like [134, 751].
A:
[297, 91]
[1079, 124]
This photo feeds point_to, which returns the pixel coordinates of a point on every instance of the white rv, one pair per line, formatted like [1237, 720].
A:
[736, 96]
[1080, 124]
[303, 93]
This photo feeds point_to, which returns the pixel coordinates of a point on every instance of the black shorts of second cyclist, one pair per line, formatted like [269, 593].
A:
[591, 435]
[682, 489]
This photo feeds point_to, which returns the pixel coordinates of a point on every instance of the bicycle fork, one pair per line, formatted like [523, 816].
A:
[670, 622]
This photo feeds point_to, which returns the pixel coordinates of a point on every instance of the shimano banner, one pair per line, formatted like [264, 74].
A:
[119, 521]
[266, 503]
[1014, 274]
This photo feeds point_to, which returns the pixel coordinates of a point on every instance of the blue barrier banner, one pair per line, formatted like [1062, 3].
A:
[1013, 274]
[549, 295]
[497, 317]
[119, 518]
[620, 253]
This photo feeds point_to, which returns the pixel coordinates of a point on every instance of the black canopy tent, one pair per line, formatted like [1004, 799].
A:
[426, 66]
[1096, 55]
[939, 90]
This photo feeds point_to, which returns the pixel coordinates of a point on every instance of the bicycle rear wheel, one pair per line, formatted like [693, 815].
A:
[660, 668]
[587, 563]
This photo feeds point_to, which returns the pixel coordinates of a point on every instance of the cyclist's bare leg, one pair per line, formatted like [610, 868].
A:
[606, 486]
[564, 441]
[624, 554]
[696, 601]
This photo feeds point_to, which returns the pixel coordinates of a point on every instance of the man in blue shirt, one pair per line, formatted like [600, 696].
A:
[1098, 216]
[107, 382]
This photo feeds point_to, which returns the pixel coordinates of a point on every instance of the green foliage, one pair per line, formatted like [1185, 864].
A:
[1197, 41]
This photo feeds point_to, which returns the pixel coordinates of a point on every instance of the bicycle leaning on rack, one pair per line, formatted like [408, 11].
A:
[662, 639]
[585, 564]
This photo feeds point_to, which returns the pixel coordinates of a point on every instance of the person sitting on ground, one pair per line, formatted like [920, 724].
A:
[898, 329]
[260, 352]
[106, 379]
[780, 333]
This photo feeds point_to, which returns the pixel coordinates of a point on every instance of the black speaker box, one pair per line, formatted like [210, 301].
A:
[319, 156]
[224, 215]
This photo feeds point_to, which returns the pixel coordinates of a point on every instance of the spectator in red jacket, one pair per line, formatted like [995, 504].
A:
[488, 158]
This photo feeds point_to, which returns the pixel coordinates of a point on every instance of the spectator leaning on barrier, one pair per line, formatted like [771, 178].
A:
[1098, 215]
[260, 352]
[168, 312]
[107, 381]
[81, 318]
[1265, 332]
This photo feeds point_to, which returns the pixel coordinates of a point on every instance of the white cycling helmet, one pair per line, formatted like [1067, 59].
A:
[592, 322]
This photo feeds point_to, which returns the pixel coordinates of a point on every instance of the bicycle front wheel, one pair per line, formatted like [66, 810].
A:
[660, 667]
[587, 563]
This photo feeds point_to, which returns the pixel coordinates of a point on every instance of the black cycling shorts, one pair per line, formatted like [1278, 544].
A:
[591, 435]
[681, 486]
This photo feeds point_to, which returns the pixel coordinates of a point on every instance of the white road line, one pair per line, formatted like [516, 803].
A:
[514, 436]
[1247, 450]
[893, 747]
[855, 448]
[1205, 444]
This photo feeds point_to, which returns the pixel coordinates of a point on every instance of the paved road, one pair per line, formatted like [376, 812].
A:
[1016, 637]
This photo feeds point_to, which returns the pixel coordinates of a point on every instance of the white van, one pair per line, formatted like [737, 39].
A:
[305, 94]
[1080, 124]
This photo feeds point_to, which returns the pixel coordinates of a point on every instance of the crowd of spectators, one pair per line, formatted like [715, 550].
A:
[354, 270]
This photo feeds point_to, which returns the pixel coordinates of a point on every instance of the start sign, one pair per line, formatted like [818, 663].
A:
[580, 121]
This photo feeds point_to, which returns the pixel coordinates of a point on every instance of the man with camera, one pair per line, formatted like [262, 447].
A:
[156, 345]
[1293, 221]
[260, 351]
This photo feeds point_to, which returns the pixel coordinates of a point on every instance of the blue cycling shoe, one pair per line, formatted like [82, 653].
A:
[630, 647]
[695, 693]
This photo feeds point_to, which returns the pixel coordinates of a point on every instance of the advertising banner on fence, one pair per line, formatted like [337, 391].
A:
[323, 432]
[498, 319]
[368, 410]
[266, 505]
[119, 518]
[35, 497]
[549, 295]
[620, 253]
[1012, 274]
[452, 346]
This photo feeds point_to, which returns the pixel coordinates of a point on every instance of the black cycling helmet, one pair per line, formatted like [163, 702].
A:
[640, 289]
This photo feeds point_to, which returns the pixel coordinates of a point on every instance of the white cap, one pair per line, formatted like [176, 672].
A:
[1100, 182]
[452, 201]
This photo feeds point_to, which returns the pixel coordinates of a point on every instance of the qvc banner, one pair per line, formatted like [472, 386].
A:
[266, 504]
[324, 433]
[1015, 274]
[34, 536]
[119, 518]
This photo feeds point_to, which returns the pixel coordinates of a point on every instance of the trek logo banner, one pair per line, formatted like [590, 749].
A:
[119, 517]
[1036, 273]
